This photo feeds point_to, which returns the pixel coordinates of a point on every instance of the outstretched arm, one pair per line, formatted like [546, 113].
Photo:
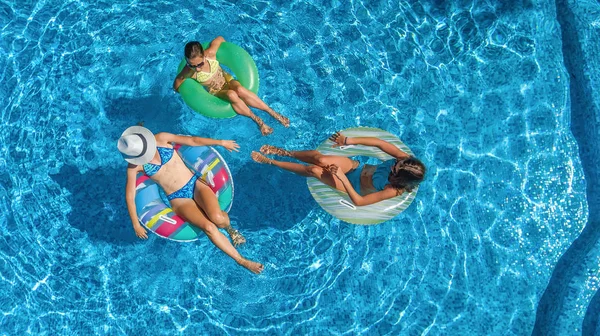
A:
[341, 140]
[197, 141]
[354, 196]
[214, 45]
[132, 171]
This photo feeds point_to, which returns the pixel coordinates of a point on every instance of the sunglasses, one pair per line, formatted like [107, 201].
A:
[195, 66]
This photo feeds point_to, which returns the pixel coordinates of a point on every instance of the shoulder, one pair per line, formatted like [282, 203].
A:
[214, 45]
[163, 138]
[393, 192]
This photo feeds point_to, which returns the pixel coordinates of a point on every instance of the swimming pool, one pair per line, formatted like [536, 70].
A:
[480, 92]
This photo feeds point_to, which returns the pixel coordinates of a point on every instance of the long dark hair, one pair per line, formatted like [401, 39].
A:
[193, 49]
[409, 173]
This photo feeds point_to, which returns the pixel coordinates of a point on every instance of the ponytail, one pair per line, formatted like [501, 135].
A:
[409, 173]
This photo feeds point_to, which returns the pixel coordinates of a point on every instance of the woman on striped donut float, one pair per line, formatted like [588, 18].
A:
[189, 195]
[365, 184]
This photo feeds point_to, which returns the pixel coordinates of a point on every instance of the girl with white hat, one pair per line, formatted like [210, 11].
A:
[189, 195]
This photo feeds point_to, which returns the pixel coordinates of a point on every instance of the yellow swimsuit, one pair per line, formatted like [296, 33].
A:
[215, 80]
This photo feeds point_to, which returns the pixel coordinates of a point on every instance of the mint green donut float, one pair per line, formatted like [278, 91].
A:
[244, 70]
[338, 203]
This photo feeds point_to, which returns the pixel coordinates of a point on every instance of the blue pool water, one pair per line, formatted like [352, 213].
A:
[480, 91]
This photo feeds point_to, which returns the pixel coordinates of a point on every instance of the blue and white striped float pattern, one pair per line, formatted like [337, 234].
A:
[338, 204]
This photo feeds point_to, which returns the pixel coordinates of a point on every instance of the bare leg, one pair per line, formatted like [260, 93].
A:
[296, 168]
[313, 157]
[302, 170]
[241, 108]
[189, 210]
[253, 100]
[207, 201]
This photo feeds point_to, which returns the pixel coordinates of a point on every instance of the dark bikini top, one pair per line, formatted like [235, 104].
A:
[165, 155]
[382, 173]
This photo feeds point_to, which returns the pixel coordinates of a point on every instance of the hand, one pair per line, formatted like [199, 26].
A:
[230, 145]
[332, 169]
[338, 139]
[140, 231]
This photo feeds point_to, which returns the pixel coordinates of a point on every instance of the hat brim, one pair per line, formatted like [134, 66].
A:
[150, 145]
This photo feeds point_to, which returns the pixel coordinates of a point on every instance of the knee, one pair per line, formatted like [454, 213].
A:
[313, 171]
[232, 96]
[321, 160]
[218, 217]
[240, 91]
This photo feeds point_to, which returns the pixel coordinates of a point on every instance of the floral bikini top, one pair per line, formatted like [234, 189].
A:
[165, 156]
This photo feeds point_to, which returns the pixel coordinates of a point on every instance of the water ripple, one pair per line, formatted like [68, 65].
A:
[474, 90]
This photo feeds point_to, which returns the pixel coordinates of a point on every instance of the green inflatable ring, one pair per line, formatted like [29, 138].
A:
[338, 204]
[244, 69]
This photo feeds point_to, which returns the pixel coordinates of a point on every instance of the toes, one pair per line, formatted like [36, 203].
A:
[256, 157]
[267, 131]
[268, 149]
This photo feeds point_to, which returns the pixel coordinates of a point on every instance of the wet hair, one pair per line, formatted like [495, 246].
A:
[409, 174]
[193, 49]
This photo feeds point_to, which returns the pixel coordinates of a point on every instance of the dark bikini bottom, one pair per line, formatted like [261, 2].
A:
[354, 177]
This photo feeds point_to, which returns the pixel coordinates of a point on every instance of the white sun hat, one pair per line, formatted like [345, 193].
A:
[137, 145]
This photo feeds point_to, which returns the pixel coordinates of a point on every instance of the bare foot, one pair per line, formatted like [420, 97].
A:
[283, 120]
[256, 156]
[252, 266]
[236, 236]
[265, 129]
[270, 150]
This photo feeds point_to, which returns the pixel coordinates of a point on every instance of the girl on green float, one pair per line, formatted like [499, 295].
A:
[203, 67]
